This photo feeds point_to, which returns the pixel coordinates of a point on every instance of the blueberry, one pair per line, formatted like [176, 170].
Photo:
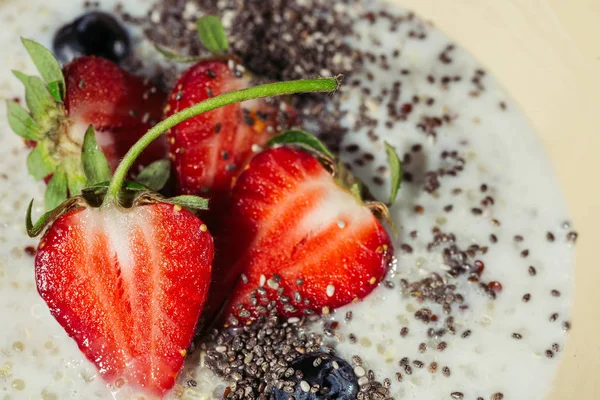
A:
[95, 33]
[334, 377]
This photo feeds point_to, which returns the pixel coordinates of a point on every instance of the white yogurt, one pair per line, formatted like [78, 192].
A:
[38, 360]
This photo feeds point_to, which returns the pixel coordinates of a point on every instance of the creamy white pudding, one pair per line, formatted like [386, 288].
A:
[496, 200]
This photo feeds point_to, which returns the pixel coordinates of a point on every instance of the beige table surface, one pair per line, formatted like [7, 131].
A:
[547, 55]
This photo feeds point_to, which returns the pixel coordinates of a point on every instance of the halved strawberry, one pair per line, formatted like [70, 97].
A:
[210, 150]
[297, 241]
[88, 91]
[128, 285]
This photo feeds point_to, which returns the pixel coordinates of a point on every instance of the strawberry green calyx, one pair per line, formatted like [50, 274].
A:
[268, 90]
[212, 35]
[301, 138]
[155, 175]
[55, 153]
[48, 67]
[95, 165]
[396, 171]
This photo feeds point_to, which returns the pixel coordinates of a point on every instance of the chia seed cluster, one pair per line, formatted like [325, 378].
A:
[257, 358]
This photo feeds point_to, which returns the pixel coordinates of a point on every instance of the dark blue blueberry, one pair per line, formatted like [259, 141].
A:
[95, 33]
[334, 377]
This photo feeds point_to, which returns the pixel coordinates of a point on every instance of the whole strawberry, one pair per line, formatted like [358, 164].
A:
[299, 240]
[125, 271]
[88, 91]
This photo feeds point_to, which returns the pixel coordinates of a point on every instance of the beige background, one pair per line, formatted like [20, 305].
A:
[547, 55]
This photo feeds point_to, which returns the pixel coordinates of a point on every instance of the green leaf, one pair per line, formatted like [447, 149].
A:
[21, 123]
[76, 181]
[48, 67]
[396, 171]
[46, 218]
[212, 34]
[56, 192]
[54, 89]
[126, 185]
[94, 195]
[189, 201]
[301, 138]
[172, 56]
[39, 100]
[39, 162]
[155, 175]
[95, 165]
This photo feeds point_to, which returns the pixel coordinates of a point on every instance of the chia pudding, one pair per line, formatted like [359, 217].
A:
[477, 301]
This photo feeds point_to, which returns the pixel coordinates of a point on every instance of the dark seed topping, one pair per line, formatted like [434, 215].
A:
[30, 251]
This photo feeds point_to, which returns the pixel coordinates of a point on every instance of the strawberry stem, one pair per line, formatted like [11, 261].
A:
[268, 90]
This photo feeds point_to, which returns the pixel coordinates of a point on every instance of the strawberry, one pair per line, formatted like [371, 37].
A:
[298, 241]
[88, 91]
[120, 106]
[128, 285]
[210, 150]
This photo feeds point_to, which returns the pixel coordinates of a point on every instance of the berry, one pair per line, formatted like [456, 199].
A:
[332, 376]
[128, 285]
[294, 232]
[121, 107]
[93, 34]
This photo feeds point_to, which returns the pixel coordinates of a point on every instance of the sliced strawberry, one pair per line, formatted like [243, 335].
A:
[298, 239]
[210, 150]
[121, 106]
[128, 285]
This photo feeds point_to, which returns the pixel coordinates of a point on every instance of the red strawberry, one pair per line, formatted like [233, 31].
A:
[121, 106]
[210, 150]
[128, 285]
[300, 238]
[88, 91]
